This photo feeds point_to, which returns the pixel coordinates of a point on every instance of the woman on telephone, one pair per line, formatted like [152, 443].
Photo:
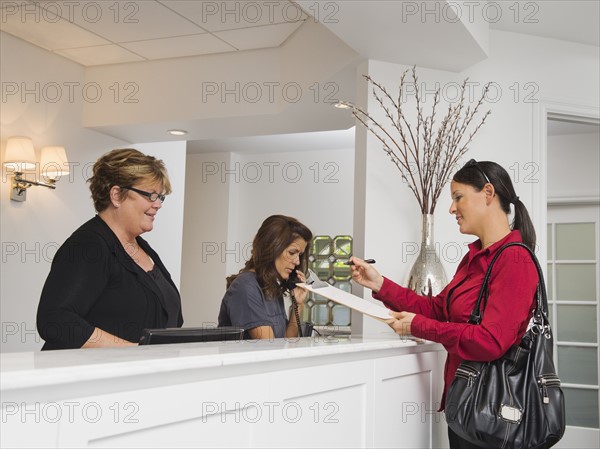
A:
[254, 296]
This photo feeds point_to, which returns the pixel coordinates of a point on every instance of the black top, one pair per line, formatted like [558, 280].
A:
[169, 294]
[92, 283]
[244, 305]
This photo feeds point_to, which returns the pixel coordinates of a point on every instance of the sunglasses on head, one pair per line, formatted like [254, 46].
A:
[474, 163]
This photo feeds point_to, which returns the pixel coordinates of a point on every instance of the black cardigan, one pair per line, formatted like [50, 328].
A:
[92, 283]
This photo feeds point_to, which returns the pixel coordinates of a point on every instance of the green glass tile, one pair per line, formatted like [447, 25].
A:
[320, 314]
[306, 313]
[341, 315]
[341, 271]
[346, 286]
[322, 268]
[342, 246]
[322, 245]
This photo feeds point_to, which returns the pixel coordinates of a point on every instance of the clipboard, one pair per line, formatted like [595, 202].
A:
[347, 299]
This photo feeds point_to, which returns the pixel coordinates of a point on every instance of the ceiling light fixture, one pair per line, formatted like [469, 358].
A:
[343, 105]
[177, 132]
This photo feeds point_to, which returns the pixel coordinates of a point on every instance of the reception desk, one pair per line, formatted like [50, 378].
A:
[310, 392]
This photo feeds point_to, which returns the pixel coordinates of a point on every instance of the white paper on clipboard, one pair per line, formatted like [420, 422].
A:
[350, 300]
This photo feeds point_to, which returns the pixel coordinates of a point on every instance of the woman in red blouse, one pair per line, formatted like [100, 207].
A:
[482, 193]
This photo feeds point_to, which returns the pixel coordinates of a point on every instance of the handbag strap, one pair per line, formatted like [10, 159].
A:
[540, 315]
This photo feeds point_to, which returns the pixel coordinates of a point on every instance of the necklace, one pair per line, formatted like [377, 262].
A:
[131, 248]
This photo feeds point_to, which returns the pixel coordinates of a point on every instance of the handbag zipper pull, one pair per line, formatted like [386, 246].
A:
[471, 380]
[544, 391]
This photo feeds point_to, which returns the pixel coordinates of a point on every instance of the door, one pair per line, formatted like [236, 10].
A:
[572, 283]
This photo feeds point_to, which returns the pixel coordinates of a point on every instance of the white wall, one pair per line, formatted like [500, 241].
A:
[573, 165]
[526, 71]
[204, 234]
[315, 186]
[32, 231]
[228, 195]
[167, 236]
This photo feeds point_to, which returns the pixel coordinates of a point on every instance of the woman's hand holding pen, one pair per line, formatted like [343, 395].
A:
[365, 275]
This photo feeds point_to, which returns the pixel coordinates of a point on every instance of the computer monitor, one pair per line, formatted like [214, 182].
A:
[190, 335]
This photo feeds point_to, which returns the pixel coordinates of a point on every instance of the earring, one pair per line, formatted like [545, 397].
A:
[117, 204]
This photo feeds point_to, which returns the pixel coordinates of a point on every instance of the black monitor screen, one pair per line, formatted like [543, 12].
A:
[190, 335]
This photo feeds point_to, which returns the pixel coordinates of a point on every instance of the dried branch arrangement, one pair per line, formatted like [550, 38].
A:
[425, 158]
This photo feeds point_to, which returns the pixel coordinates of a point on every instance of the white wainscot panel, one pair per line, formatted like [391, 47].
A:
[406, 407]
[307, 407]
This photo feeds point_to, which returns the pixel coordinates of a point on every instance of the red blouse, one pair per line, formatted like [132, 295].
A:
[443, 318]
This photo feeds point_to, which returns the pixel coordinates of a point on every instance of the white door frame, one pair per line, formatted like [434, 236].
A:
[544, 109]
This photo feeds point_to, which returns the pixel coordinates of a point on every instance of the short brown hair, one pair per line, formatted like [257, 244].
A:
[125, 167]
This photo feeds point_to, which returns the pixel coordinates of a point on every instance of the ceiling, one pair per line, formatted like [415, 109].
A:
[125, 35]
[573, 20]
[108, 32]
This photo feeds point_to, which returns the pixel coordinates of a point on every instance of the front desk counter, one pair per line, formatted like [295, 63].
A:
[310, 392]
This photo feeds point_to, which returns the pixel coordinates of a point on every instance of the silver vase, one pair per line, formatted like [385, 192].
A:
[427, 276]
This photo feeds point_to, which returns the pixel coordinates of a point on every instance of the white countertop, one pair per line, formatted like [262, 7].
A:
[28, 369]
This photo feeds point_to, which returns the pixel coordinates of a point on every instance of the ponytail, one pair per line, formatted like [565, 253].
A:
[523, 223]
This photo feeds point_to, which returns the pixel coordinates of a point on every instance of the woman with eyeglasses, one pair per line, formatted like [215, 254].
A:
[254, 296]
[482, 194]
[106, 283]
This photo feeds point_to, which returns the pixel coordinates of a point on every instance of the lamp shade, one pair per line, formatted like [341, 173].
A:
[20, 154]
[54, 163]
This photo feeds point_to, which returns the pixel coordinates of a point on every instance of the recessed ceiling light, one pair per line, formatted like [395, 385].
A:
[343, 105]
[177, 132]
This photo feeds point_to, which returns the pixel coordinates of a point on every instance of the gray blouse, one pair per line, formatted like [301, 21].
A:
[245, 305]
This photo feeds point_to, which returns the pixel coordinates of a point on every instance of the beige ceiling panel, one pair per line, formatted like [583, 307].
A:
[574, 20]
[260, 37]
[174, 47]
[100, 55]
[126, 21]
[231, 15]
[44, 28]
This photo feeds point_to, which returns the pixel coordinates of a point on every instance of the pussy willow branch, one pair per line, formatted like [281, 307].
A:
[425, 157]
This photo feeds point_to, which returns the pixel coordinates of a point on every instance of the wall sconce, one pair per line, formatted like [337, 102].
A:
[20, 156]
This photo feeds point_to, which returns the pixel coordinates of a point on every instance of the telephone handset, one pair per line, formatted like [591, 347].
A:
[290, 285]
[292, 280]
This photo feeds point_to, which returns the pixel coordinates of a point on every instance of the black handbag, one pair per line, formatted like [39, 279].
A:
[515, 401]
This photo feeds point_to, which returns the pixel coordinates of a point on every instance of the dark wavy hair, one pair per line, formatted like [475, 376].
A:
[474, 174]
[275, 234]
[124, 167]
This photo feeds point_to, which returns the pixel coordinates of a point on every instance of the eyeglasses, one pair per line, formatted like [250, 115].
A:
[474, 163]
[152, 196]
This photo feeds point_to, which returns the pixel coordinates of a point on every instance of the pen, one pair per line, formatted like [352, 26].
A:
[366, 260]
